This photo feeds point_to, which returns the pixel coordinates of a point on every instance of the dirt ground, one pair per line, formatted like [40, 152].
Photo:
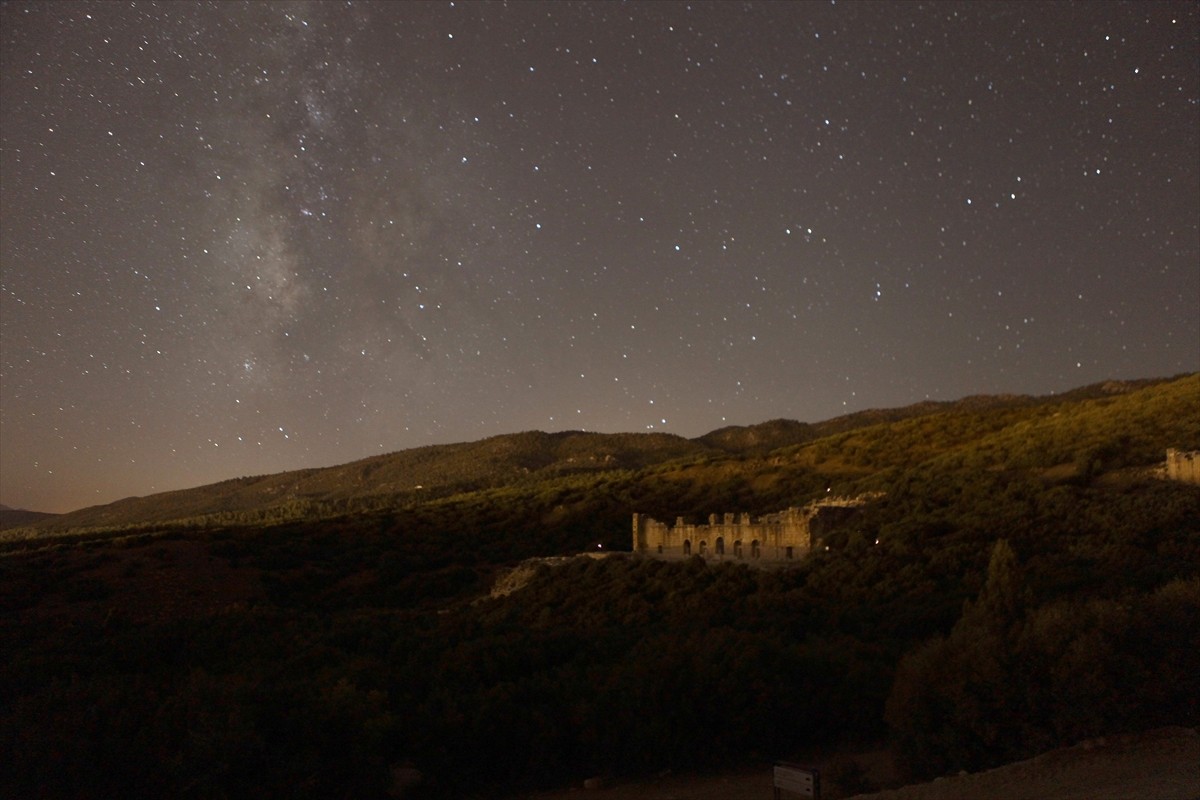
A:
[1157, 765]
[1162, 764]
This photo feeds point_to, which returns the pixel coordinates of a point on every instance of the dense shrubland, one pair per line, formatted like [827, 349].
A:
[1023, 583]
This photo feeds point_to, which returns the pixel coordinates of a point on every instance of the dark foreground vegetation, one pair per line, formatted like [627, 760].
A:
[1026, 581]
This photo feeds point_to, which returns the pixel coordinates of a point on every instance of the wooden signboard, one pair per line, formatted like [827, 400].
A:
[797, 780]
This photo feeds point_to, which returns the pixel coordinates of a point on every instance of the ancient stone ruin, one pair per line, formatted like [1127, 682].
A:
[773, 539]
[1183, 466]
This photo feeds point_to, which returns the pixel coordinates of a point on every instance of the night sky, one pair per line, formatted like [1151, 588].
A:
[240, 239]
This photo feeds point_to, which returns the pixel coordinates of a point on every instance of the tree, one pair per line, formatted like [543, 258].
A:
[953, 704]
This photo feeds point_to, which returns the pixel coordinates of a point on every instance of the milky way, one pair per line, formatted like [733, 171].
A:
[243, 238]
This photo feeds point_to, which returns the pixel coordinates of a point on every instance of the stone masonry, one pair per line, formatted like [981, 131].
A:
[771, 539]
[1183, 466]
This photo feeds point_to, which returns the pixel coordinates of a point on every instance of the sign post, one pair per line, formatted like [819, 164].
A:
[797, 780]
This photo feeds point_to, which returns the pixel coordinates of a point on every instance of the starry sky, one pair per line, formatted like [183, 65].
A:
[244, 238]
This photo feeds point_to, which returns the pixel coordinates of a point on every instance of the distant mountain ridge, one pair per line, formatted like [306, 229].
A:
[510, 459]
[19, 517]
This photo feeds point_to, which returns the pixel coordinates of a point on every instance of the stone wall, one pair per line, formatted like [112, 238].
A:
[1183, 466]
[770, 539]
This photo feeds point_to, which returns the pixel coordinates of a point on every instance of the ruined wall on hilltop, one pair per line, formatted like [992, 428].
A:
[1183, 466]
[771, 539]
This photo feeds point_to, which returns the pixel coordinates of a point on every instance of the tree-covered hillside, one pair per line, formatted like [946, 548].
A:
[1026, 580]
[534, 459]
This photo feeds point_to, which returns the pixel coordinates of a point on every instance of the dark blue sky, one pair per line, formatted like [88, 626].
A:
[243, 238]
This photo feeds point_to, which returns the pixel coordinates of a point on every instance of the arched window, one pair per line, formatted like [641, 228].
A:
[755, 552]
[720, 545]
[703, 548]
[789, 551]
[660, 549]
[687, 547]
[737, 548]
